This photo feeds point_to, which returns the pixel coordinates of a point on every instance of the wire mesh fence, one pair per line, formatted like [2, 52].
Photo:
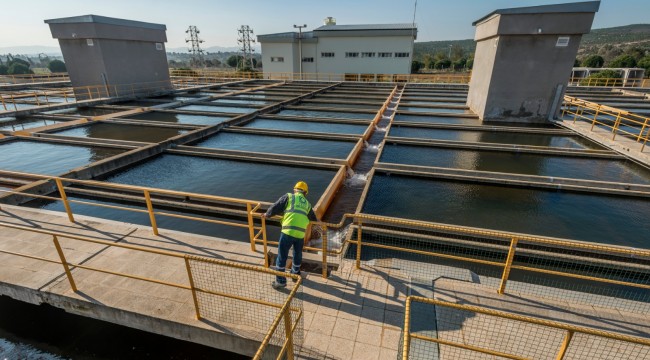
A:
[598, 275]
[458, 331]
[240, 299]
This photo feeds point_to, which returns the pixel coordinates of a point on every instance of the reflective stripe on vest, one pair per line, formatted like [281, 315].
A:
[295, 220]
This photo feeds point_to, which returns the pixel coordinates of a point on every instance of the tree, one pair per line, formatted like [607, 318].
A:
[428, 61]
[576, 62]
[593, 61]
[17, 68]
[416, 66]
[602, 78]
[3, 69]
[623, 61]
[18, 61]
[470, 63]
[442, 64]
[57, 66]
[459, 64]
[457, 53]
[645, 63]
[233, 60]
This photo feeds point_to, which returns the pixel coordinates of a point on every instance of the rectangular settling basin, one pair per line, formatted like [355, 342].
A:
[326, 114]
[613, 170]
[588, 217]
[218, 109]
[500, 137]
[124, 132]
[310, 126]
[185, 119]
[279, 145]
[49, 158]
[437, 119]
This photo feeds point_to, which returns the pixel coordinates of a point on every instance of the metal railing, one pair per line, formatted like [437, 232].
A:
[467, 331]
[213, 301]
[628, 124]
[609, 82]
[248, 207]
[33, 78]
[402, 78]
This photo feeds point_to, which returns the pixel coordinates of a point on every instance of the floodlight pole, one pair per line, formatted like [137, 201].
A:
[300, 27]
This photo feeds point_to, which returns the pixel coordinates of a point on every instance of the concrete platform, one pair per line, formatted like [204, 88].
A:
[354, 314]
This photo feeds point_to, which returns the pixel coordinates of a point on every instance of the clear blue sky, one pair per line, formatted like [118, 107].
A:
[21, 22]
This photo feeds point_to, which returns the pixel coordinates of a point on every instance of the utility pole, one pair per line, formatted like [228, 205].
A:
[195, 48]
[244, 39]
[300, 27]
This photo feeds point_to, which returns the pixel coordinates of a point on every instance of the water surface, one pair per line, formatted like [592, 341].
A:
[307, 126]
[123, 132]
[180, 118]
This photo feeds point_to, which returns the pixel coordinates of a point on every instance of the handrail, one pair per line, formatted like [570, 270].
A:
[591, 111]
[559, 354]
[284, 311]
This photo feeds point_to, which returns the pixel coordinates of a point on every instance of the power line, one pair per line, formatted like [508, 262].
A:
[245, 40]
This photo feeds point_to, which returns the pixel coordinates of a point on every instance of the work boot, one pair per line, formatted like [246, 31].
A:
[276, 285]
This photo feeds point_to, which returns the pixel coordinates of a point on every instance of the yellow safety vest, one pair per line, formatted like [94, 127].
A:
[295, 220]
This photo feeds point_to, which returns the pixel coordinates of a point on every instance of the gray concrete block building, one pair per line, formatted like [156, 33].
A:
[112, 56]
[523, 59]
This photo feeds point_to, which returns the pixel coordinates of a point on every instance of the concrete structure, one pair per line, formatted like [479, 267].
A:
[114, 56]
[341, 49]
[524, 57]
[629, 76]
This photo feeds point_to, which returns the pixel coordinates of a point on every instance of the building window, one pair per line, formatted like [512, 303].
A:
[277, 59]
[402, 54]
[351, 54]
[367, 54]
[385, 54]
[327, 54]
[308, 59]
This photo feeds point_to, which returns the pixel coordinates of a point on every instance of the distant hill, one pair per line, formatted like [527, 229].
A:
[636, 34]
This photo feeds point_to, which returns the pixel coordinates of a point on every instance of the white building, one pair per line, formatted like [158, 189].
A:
[334, 51]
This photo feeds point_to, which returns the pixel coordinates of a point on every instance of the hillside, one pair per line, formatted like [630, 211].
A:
[620, 36]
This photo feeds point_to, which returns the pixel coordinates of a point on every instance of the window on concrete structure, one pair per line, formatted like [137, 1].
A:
[401, 54]
[385, 54]
[352, 54]
[277, 59]
[327, 54]
[159, 46]
[367, 54]
[308, 59]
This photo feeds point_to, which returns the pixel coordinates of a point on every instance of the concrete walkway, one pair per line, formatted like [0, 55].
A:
[354, 314]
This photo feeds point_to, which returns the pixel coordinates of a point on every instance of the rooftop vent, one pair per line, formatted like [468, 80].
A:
[329, 21]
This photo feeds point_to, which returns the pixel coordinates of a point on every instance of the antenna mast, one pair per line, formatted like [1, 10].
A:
[244, 39]
[195, 48]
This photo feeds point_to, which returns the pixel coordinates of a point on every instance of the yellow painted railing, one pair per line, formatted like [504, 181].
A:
[248, 206]
[628, 124]
[467, 331]
[608, 82]
[289, 312]
[33, 78]
[419, 78]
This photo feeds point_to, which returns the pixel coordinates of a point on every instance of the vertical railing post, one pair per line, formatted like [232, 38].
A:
[64, 262]
[359, 245]
[264, 241]
[617, 123]
[325, 247]
[507, 266]
[565, 345]
[593, 123]
[288, 332]
[64, 198]
[406, 345]
[189, 275]
[251, 230]
[152, 216]
[645, 125]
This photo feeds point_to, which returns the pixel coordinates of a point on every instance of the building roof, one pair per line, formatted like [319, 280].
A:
[287, 35]
[105, 20]
[578, 7]
[366, 27]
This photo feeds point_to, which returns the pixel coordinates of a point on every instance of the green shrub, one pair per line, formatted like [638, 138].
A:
[17, 68]
[57, 66]
[603, 78]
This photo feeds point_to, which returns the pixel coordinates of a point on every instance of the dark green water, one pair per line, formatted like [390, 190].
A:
[518, 163]
[27, 124]
[217, 109]
[279, 145]
[89, 111]
[123, 132]
[433, 110]
[306, 126]
[326, 114]
[572, 142]
[49, 159]
[594, 218]
[180, 118]
[437, 119]
[241, 102]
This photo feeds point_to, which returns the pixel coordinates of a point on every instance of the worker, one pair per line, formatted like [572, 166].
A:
[296, 214]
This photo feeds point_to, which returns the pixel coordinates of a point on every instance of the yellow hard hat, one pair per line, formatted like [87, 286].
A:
[302, 186]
